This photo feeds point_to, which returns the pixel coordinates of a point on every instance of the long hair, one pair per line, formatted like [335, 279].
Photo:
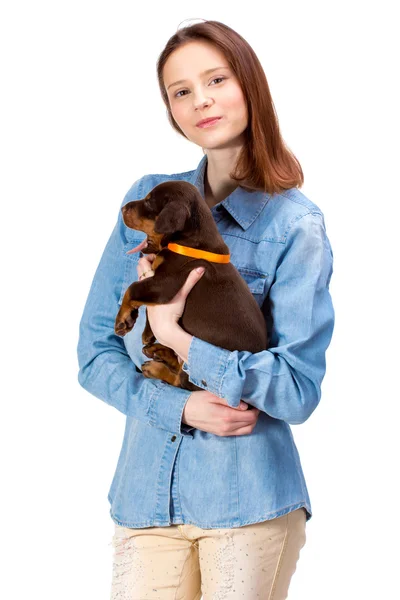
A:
[265, 162]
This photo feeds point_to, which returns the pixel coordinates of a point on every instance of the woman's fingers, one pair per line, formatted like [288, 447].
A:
[147, 259]
[145, 263]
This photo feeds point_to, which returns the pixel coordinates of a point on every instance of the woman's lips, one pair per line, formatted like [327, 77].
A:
[209, 123]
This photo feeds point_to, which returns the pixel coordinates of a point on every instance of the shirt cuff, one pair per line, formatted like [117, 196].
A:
[166, 406]
[206, 365]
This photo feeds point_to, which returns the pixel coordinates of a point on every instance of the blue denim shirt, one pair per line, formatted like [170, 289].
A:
[167, 472]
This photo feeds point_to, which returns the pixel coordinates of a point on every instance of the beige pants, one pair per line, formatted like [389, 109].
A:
[185, 562]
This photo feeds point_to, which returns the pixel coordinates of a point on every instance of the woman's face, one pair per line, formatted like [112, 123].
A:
[204, 95]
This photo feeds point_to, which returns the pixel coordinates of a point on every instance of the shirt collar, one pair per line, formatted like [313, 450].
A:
[243, 205]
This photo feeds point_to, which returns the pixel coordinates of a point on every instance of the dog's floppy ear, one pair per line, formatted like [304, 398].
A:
[172, 218]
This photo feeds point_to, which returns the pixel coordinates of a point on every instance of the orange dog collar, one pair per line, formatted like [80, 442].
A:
[195, 253]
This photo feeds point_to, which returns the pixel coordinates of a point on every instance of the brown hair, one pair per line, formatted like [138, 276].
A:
[265, 162]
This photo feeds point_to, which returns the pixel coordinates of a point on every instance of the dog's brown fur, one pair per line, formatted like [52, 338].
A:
[219, 309]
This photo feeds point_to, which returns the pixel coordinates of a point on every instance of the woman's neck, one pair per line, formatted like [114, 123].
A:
[218, 189]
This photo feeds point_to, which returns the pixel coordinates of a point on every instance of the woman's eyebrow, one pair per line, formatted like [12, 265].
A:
[204, 73]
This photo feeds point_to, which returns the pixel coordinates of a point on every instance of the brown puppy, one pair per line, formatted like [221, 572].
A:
[220, 309]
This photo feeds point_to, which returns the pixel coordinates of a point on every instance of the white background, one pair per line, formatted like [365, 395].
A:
[81, 119]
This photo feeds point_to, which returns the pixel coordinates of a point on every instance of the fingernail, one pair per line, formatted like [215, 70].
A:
[200, 269]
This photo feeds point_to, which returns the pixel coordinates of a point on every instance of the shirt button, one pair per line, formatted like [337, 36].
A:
[173, 438]
[203, 382]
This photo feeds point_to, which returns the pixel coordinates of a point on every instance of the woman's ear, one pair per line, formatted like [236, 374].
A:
[172, 218]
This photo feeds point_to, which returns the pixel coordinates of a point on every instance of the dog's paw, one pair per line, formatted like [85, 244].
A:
[125, 321]
[152, 351]
[148, 369]
[159, 370]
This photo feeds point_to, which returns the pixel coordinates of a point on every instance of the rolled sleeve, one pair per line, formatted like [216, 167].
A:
[166, 406]
[206, 365]
[285, 380]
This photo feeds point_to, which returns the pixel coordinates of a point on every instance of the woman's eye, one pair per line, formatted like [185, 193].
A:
[180, 91]
[221, 78]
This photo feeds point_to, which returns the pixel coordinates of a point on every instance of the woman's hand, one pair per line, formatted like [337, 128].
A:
[163, 318]
[212, 414]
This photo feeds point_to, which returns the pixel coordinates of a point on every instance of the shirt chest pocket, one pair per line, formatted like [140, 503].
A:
[257, 282]
[130, 267]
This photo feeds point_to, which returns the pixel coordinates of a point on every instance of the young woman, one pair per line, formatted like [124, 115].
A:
[209, 498]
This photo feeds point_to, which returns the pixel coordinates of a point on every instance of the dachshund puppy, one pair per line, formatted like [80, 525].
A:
[220, 308]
